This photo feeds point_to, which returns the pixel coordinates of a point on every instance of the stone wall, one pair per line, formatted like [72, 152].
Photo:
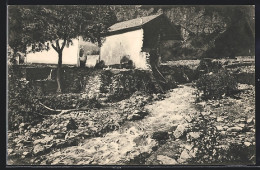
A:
[114, 84]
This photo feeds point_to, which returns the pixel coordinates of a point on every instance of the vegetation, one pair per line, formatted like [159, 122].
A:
[216, 85]
[43, 26]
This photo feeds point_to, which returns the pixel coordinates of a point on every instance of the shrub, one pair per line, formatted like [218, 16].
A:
[100, 65]
[208, 65]
[22, 100]
[215, 85]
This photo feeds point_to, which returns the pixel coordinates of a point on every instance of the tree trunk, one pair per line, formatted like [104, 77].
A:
[59, 72]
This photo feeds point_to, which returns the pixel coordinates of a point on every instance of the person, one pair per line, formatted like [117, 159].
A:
[154, 58]
[82, 57]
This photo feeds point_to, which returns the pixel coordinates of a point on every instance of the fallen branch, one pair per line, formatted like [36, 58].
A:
[62, 111]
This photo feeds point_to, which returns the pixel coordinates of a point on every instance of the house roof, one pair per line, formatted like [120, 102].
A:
[132, 23]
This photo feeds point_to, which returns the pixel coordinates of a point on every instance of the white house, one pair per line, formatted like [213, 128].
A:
[70, 55]
[136, 38]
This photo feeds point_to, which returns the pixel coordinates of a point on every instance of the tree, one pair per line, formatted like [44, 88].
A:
[44, 26]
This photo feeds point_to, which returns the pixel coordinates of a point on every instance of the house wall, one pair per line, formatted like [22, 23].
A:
[69, 55]
[129, 43]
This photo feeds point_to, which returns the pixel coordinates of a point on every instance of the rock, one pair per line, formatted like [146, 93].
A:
[234, 129]
[220, 119]
[223, 133]
[38, 149]
[205, 113]
[33, 130]
[180, 130]
[193, 135]
[225, 147]
[21, 125]
[160, 135]
[71, 125]
[188, 118]
[166, 160]
[193, 152]
[26, 154]
[242, 125]
[184, 156]
[247, 143]
[219, 128]
[188, 147]
[225, 127]
[137, 115]
[9, 151]
[242, 120]
[250, 121]
[213, 116]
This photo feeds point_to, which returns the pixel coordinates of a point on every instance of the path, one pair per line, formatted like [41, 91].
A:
[134, 137]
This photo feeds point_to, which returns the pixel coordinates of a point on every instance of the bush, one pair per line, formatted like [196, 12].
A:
[22, 100]
[207, 65]
[215, 85]
[100, 65]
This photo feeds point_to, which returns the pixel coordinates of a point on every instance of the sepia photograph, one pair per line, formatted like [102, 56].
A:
[130, 85]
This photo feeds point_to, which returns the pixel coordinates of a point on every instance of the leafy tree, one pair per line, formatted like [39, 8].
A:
[43, 26]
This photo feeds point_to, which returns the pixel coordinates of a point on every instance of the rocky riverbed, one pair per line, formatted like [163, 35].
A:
[159, 129]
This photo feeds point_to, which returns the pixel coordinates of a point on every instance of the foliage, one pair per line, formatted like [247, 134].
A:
[100, 65]
[42, 26]
[22, 100]
[215, 85]
[69, 101]
[205, 29]
[208, 153]
[207, 65]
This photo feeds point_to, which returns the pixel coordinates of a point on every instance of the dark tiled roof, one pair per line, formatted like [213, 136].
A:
[132, 23]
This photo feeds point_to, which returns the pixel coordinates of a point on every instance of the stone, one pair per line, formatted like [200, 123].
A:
[234, 129]
[137, 115]
[242, 125]
[33, 130]
[184, 156]
[21, 125]
[193, 152]
[243, 119]
[26, 154]
[225, 127]
[193, 135]
[225, 147]
[38, 149]
[250, 121]
[219, 128]
[180, 130]
[188, 147]
[9, 151]
[220, 119]
[247, 143]
[205, 113]
[166, 160]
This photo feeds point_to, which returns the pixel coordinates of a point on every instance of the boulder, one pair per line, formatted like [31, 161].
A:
[180, 130]
[166, 160]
